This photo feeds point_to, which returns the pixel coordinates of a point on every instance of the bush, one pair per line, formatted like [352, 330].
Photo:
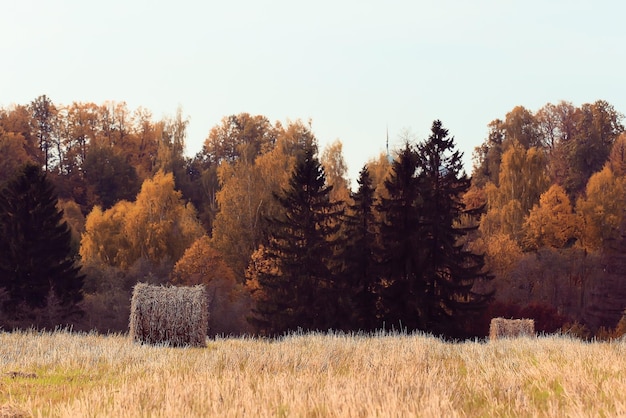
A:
[106, 312]
[576, 330]
[547, 319]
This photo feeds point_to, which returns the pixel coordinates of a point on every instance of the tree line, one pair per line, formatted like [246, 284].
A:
[273, 229]
[553, 185]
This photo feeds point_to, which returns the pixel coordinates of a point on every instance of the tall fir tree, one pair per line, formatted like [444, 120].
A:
[449, 271]
[360, 262]
[401, 255]
[37, 266]
[427, 275]
[301, 289]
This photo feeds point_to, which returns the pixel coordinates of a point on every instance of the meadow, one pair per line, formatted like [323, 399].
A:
[65, 374]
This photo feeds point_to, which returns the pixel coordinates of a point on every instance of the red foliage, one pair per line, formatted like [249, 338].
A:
[547, 318]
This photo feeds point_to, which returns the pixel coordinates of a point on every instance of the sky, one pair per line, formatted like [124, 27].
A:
[355, 69]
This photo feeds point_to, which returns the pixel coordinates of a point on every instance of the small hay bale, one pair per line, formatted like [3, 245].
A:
[171, 315]
[511, 328]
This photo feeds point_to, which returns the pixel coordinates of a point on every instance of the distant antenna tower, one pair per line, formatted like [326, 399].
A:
[388, 154]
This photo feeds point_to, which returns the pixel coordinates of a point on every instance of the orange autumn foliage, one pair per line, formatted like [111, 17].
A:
[228, 301]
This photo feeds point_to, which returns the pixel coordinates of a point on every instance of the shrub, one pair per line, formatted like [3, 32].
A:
[577, 330]
[106, 311]
[478, 326]
[620, 328]
[547, 319]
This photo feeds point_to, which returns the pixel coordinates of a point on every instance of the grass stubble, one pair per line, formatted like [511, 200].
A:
[310, 375]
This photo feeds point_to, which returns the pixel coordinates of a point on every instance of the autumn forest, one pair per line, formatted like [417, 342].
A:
[97, 197]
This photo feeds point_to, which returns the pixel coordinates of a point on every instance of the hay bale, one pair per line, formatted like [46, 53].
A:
[511, 328]
[169, 315]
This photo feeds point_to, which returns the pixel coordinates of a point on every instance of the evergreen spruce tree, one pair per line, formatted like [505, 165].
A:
[302, 292]
[402, 241]
[448, 270]
[360, 263]
[427, 276]
[36, 261]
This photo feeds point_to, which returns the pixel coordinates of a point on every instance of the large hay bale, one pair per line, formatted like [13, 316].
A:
[511, 328]
[169, 315]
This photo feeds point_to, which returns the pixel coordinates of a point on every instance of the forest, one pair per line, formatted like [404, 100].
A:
[96, 198]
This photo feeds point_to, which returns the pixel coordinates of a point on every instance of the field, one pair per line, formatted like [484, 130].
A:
[310, 375]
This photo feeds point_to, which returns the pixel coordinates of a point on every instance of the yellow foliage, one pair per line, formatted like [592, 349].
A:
[600, 211]
[379, 171]
[246, 198]
[507, 219]
[14, 155]
[617, 158]
[551, 223]
[474, 198]
[160, 224]
[103, 239]
[157, 226]
[336, 169]
[522, 180]
[75, 219]
[522, 177]
[502, 253]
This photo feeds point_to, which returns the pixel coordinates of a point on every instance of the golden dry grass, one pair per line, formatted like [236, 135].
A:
[312, 375]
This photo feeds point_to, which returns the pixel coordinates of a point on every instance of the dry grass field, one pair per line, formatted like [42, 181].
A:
[312, 375]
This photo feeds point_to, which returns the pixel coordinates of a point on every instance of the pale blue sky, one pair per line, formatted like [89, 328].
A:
[353, 67]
